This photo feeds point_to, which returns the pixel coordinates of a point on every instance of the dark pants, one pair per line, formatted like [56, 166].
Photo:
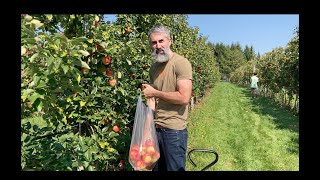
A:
[173, 146]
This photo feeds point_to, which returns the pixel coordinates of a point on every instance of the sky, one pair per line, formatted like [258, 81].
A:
[263, 32]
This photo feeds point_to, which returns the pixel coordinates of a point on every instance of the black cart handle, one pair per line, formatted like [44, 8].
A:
[204, 150]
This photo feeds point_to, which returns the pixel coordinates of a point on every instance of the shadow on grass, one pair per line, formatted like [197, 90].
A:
[283, 118]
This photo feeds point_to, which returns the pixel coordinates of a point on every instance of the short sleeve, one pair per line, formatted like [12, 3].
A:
[183, 69]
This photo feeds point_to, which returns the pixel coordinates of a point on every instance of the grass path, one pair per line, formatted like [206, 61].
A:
[248, 134]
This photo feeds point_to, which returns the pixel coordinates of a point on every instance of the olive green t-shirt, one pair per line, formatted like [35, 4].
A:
[164, 77]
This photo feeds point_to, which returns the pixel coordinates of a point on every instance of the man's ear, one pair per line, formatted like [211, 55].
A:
[170, 41]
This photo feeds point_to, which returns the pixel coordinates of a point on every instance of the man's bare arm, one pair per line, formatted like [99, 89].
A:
[181, 96]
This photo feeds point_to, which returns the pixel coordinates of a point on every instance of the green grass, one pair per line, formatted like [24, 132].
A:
[248, 134]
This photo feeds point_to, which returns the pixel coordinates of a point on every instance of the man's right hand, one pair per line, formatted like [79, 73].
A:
[148, 91]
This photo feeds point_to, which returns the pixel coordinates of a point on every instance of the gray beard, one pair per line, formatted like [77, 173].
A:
[160, 58]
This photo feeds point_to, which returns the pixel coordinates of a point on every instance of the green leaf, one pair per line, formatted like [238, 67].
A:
[98, 80]
[85, 65]
[85, 164]
[29, 40]
[23, 97]
[39, 107]
[82, 103]
[49, 16]
[65, 68]
[36, 23]
[94, 137]
[78, 78]
[23, 137]
[64, 54]
[90, 168]
[113, 134]
[35, 81]
[28, 18]
[85, 53]
[35, 96]
[88, 156]
[85, 45]
[33, 57]
[104, 45]
[122, 91]
[41, 84]
[78, 40]
[57, 62]
[58, 146]
[105, 155]
[94, 90]
[26, 92]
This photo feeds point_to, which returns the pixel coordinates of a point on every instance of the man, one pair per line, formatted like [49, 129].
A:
[168, 95]
[254, 85]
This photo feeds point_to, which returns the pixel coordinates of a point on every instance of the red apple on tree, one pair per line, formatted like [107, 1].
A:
[116, 128]
[106, 60]
[112, 82]
[109, 72]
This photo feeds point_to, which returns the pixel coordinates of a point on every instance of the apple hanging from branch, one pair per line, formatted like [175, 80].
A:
[112, 82]
[106, 60]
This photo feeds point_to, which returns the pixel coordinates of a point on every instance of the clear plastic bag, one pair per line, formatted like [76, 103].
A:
[144, 149]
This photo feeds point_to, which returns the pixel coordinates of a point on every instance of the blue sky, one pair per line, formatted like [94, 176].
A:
[262, 31]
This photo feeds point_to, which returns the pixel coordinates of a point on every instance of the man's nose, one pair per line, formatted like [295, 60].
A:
[158, 45]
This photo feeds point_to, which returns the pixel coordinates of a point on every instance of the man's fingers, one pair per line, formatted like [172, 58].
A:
[143, 86]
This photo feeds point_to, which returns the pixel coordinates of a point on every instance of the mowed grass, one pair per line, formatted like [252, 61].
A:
[248, 134]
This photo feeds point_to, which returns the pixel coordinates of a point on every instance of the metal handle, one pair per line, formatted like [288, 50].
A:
[204, 150]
